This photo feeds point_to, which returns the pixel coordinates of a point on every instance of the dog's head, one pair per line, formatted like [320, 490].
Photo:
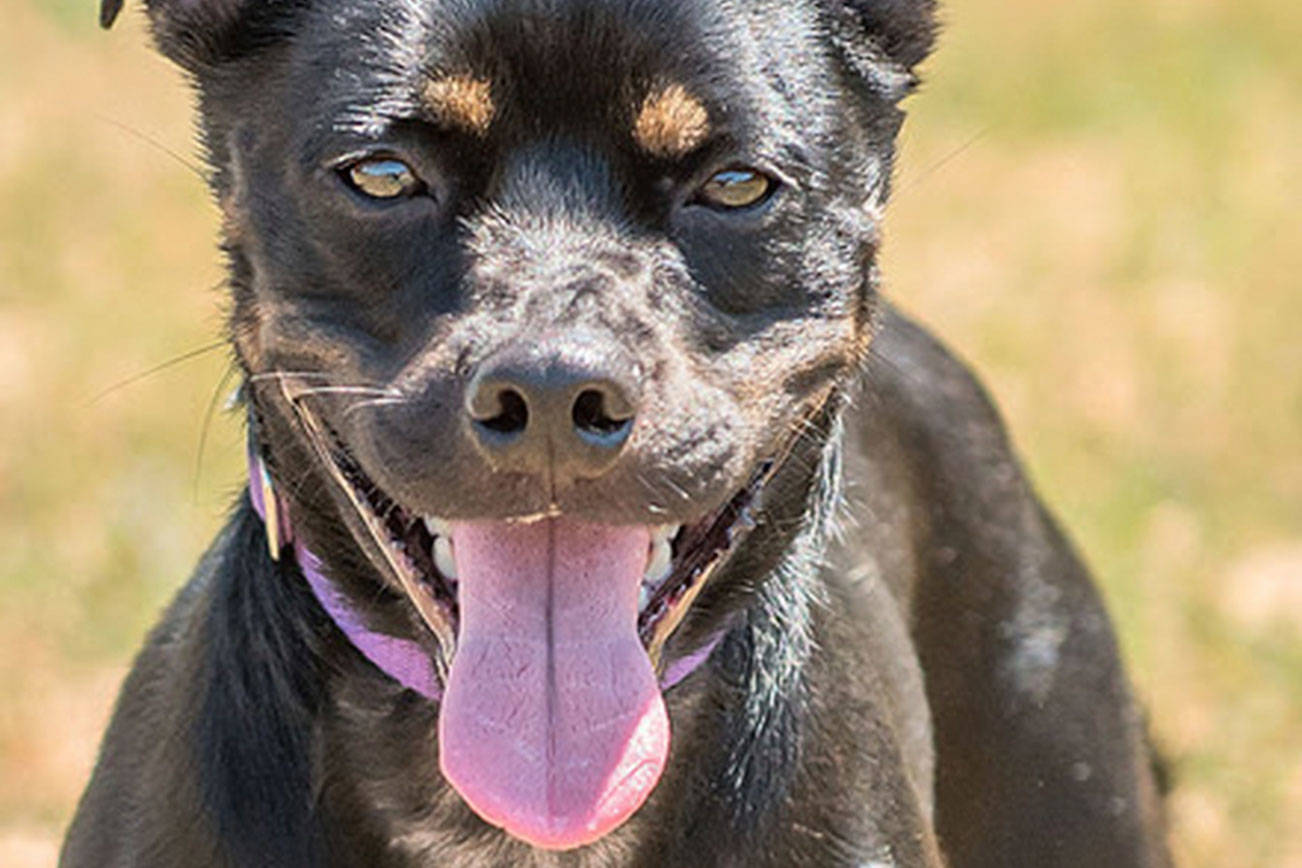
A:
[532, 298]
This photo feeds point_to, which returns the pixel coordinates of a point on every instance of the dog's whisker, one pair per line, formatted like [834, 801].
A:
[278, 375]
[163, 366]
[346, 390]
[329, 379]
[370, 404]
[213, 402]
[677, 489]
[286, 380]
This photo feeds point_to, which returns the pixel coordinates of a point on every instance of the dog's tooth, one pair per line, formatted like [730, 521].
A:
[660, 562]
[443, 559]
[643, 597]
[438, 526]
[747, 518]
[665, 532]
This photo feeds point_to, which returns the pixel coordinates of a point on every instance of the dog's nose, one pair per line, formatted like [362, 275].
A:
[563, 406]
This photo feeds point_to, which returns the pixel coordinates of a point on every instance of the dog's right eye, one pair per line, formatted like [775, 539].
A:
[383, 178]
[736, 189]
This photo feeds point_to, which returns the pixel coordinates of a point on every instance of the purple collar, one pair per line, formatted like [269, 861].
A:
[402, 660]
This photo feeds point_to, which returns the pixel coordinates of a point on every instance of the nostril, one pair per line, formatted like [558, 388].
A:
[592, 417]
[512, 416]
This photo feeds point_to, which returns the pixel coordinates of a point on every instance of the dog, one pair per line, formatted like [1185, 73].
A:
[601, 511]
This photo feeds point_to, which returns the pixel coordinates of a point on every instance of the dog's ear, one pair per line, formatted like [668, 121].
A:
[108, 12]
[904, 30]
[200, 33]
[884, 40]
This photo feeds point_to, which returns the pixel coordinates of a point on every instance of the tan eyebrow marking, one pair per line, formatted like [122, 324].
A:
[671, 122]
[462, 101]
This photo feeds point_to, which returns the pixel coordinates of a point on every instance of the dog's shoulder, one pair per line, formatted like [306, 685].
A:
[213, 703]
[145, 771]
[1020, 662]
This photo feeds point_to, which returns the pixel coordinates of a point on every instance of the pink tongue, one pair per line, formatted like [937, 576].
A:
[552, 726]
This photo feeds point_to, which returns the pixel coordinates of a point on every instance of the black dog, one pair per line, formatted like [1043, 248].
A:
[576, 418]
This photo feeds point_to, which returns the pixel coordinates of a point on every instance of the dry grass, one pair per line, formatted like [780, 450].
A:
[1117, 252]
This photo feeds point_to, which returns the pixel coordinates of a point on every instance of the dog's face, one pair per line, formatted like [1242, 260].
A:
[547, 289]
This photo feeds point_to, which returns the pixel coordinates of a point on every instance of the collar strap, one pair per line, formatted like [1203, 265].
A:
[403, 660]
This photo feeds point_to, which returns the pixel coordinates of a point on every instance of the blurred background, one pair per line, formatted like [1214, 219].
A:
[1096, 206]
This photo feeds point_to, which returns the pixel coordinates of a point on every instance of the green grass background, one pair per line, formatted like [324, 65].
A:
[1097, 207]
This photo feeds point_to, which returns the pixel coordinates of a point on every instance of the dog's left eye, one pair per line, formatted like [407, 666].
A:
[736, 188]
[383, 178]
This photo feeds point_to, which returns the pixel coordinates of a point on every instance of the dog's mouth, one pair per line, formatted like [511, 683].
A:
[551, 632]
[421, 549]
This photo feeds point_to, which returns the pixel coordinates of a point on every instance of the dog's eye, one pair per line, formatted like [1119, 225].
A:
[383, 178]
[736, 188]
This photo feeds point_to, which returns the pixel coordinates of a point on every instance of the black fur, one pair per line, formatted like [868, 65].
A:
[263, 649]
[918, 671]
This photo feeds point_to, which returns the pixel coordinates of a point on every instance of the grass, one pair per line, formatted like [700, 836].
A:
[1095, 207]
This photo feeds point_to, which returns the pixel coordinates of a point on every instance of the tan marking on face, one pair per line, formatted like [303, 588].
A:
[671, 122]
[462, 101]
